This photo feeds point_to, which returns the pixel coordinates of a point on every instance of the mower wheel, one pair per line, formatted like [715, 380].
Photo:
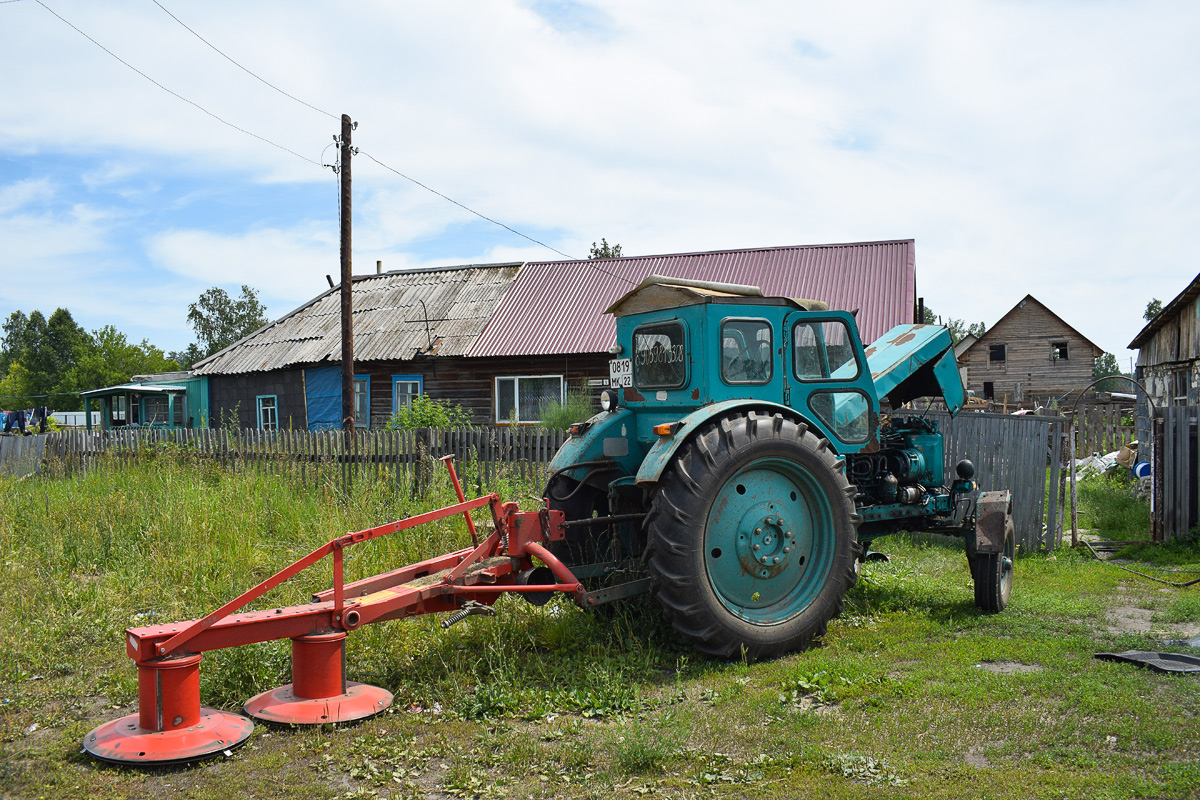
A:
[752, 537]
[993, 573]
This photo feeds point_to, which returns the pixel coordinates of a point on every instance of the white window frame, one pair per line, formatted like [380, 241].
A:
[562, 388]
[419, 380]
[258, 407]
[359, 422]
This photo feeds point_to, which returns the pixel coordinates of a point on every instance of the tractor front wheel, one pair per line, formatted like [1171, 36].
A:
[993, 573]
[752, 537]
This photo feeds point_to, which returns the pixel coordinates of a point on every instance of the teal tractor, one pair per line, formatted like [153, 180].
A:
[749, 452]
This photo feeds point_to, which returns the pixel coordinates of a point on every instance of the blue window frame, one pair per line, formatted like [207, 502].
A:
[267, 409]
[362, 401]
[404, 389]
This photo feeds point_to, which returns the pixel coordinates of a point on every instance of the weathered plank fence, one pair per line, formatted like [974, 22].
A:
[22, 455]
[1099, 429]
[1022, 454]
[482, 455]
[1177, 472]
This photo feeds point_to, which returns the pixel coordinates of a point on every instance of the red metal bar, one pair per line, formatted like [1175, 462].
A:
[179, 640]
[557, 567]
[448, 460]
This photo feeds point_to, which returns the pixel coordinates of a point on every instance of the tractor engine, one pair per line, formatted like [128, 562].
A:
[909, 459]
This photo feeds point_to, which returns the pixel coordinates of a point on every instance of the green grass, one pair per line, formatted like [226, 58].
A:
[907, 695]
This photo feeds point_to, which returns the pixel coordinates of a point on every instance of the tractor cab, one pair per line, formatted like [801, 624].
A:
[687, 345]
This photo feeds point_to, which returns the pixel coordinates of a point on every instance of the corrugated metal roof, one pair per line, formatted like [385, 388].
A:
[1169, 311]
[389, 321]
[558, 306]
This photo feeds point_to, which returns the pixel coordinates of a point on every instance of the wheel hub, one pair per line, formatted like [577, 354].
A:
[766, 544]
[759, 542]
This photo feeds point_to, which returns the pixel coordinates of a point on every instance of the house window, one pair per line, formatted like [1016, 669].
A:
[521, 399]
[1058, 351]
[997, 353]
[1179, 387]
[404, 389]
[362, 401]
[268, 411]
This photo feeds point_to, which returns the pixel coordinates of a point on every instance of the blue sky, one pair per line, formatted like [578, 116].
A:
[1045, 148]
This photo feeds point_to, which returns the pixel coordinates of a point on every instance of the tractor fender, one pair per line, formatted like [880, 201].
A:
[662, 452]
[608, 436]
[993, 510]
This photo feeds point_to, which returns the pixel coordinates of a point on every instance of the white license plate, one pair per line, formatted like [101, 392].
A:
[620, 372]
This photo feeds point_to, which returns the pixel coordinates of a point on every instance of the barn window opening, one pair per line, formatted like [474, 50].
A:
[1058, 351]
[997, 353]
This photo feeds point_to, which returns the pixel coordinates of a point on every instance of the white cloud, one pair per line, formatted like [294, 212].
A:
[1028, 147]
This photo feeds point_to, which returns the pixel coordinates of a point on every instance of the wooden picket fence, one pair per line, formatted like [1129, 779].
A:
[22, 455]
[1098, 429]
[1023, 454]
[482, 455]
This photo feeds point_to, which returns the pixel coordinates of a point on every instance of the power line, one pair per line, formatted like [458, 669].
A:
[494, 222]
[293, 152]
[173, 93]
[239, 66]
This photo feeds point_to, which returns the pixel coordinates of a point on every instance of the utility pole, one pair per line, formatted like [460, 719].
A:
[347, 280]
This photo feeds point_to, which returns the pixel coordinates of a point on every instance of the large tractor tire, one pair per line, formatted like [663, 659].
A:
[752, 537]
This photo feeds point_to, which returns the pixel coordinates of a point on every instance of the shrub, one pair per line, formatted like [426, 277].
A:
[428, 413]
[578, 407]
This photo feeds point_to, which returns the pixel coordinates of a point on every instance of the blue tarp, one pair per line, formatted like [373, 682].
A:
[323, 393]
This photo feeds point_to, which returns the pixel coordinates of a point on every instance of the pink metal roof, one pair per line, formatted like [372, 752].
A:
[558, 306]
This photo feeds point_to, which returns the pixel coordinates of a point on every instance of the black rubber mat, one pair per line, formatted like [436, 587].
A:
[1162, 662]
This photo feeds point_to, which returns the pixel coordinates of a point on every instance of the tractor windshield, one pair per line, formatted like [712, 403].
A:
[660, 356]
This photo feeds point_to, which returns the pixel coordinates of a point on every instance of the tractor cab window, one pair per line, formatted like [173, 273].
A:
[746, 351]
[660, 356]
[823, 351]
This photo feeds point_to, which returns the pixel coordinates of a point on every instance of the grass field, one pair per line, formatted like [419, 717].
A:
[912, 693]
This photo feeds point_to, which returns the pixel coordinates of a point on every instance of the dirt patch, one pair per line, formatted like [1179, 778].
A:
[1130, 619]
[1008, 667]
[976, 759]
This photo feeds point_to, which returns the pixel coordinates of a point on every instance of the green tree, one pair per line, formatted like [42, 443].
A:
[1106, 366]
[1153, 309]
[219, 320]
[958, 327]
[14, 339]
[38, 356]
[605, 250]
[111, 360]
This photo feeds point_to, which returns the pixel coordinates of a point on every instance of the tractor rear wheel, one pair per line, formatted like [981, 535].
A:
[752, 537]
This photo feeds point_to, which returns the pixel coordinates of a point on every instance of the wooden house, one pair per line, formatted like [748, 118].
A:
[503, 340]
[1030, 357]
[1168, 362]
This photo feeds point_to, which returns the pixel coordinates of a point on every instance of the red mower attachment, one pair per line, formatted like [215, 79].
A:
[171, 727]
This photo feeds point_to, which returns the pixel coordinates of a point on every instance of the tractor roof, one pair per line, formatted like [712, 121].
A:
[659, 292]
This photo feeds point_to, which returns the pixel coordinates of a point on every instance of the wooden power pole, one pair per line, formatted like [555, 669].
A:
[347, 280]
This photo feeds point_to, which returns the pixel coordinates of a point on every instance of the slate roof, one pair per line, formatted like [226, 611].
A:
[396, 316]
